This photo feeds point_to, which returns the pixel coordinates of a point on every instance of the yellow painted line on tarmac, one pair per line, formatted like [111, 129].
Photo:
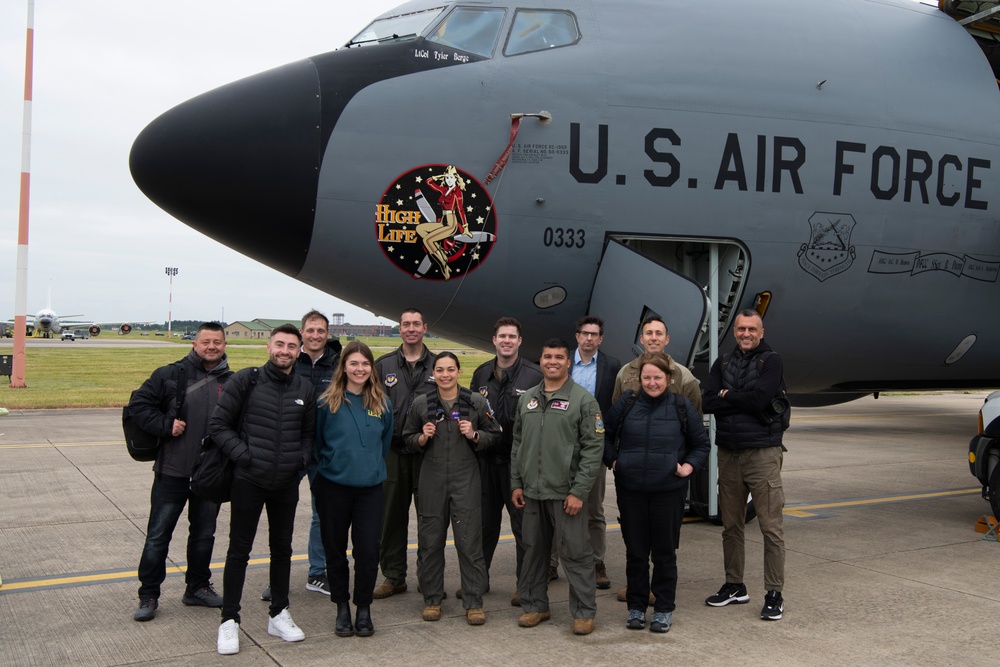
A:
[53, 582]
[803, 510]
[62, 444]
[122, 575]
[798, 511]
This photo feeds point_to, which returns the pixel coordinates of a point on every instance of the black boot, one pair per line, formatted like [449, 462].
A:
[363, 622]
[344, 627]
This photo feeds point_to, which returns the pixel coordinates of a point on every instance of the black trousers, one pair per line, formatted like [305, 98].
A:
[359, 509]
[248, 500]
[651, 527]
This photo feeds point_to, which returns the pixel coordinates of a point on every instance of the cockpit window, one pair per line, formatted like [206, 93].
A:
[534, 30]
[396, 27]
[470, 29]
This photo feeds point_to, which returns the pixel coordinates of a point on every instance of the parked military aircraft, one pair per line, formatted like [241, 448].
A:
[829, 163]
[48, 324]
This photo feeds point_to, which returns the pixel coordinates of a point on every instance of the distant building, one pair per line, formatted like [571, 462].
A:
[356, 330]
[337, 319]
[260, 329]
[253, 330]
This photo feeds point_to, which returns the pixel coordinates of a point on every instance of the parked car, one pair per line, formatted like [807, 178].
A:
[68, 335]
[984, 451]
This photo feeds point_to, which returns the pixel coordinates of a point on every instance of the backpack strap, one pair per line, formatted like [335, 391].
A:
[630, 398]
[246, 398]
[464, 403]
[180, 391]
[681, 415]
[433, 406]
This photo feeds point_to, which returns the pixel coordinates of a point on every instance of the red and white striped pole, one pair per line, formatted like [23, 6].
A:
[21, 281]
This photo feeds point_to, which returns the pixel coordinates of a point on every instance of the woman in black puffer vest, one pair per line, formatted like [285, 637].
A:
[652, 453]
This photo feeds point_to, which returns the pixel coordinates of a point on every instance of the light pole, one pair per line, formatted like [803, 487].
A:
[171, 271]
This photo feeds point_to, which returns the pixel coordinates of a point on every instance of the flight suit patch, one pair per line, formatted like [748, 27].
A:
[391, 380]
[532, 404]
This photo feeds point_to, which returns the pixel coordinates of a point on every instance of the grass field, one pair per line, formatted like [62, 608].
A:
[99, 377]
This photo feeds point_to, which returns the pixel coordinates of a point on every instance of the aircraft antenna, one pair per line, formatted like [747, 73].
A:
[21, 281]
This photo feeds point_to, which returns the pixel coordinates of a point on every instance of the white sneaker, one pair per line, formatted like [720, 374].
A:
[229, 638]
[283, 626]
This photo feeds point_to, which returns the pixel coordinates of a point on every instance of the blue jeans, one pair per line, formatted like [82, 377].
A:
[317, 555]
[166, 502]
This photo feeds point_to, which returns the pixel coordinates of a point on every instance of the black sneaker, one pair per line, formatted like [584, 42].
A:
[203, 597]
[729, 593]
[774, 606]
[146, 610]
[319, 584]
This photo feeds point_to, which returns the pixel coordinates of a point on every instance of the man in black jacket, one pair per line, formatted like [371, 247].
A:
[203, 373]
[596, 372]
[271, 446]
[739, 391]
[404, 373]
[502, 380]
[317, 360]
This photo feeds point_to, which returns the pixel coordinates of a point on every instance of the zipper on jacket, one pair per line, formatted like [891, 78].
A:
[280, 423]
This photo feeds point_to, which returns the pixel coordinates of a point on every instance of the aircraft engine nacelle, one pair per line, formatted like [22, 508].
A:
[95, 330]
[125, 329]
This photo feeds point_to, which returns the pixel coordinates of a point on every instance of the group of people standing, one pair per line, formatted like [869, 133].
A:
[534, 439]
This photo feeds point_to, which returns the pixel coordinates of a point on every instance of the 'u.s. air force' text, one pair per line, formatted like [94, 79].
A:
[773, 164]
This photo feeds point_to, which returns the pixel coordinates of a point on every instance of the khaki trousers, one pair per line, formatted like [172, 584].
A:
[755, 472]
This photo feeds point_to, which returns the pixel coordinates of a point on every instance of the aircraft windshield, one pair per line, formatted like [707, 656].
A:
[395, 27]
[535, 30]
[470, 29]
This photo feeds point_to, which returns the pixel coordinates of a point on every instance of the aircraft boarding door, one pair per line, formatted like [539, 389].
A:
[629, 287]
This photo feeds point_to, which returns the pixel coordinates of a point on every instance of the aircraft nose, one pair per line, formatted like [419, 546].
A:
[240, 164]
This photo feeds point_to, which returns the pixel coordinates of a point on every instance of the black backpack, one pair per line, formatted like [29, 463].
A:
[141, 445]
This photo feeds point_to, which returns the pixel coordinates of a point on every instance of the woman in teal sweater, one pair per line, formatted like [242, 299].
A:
[353, 432]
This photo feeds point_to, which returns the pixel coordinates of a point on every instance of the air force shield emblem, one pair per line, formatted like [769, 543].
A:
[829, 251]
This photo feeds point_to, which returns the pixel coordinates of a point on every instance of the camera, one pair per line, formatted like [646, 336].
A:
[778, 410]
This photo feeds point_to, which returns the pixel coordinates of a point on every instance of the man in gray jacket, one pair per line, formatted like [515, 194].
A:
[203, 373]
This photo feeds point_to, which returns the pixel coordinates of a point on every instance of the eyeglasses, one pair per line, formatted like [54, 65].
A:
[589, 334]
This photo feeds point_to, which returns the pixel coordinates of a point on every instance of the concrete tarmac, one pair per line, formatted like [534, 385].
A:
[884, 566]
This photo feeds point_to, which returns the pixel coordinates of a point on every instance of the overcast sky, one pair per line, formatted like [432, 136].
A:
[103, 70]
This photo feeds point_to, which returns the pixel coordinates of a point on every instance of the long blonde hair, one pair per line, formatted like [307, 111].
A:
[336, 393]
